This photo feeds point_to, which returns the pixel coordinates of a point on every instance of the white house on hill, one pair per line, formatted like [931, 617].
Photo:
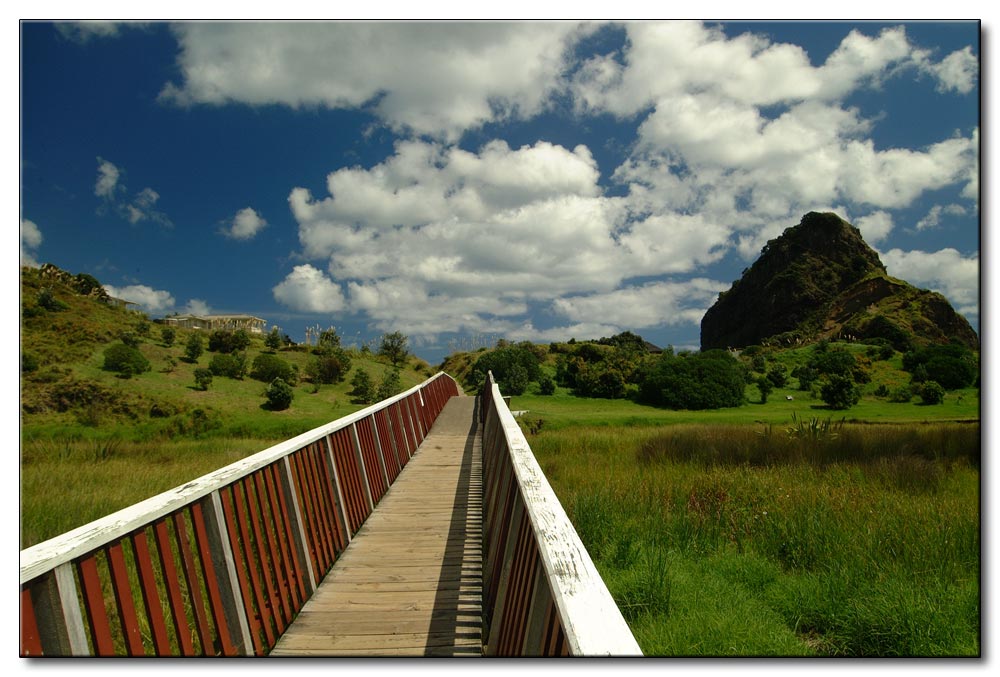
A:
[254, 325]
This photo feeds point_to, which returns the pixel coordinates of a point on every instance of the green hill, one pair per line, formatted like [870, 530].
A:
[67, 324]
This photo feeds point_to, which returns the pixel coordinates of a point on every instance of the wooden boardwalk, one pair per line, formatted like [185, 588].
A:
[410, 583]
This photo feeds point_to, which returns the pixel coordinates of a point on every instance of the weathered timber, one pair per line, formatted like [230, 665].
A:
[411, 582]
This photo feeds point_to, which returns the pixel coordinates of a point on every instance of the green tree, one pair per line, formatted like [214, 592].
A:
[840, 392]
[393, 346]
[546, 386]
[513, 368]
[389, 385]
[932, 392]
[273, 339]
[362, 387]
[202, 378]
[279, 395]
[194, 348]
[125, 360]
[230, 365]
[84, 283]
[765, 385]
[169, 335]
[226, 341]
[267, 367]
[952, 366]
[331, 368]
[706, 380]
[328, 343]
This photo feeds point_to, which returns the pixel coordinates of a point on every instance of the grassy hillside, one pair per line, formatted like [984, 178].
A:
[67, 394]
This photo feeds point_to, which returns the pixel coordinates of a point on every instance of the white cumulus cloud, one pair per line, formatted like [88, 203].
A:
[308, 289]
[945, 271]
[31, 239]
[107, 179]
[149, 299]
[245, 225]
[431, 78]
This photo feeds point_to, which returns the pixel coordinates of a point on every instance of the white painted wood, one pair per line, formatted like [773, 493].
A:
[360, 458]
[225, 568]
[72, 615]
[49, 554]
[338, 494]
[301, 543]
[592, 622]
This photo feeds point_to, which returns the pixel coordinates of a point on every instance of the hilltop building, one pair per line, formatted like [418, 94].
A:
[254, 325]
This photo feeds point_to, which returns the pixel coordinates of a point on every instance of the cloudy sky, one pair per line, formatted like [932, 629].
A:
[465, 182]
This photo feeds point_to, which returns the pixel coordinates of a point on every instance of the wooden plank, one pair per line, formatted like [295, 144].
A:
[411, 581]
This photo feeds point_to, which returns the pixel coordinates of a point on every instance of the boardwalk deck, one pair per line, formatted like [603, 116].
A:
[410, 584]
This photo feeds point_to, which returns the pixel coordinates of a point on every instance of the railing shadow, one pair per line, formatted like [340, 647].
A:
[457, 611]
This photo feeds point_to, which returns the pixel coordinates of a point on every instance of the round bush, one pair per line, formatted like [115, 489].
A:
[125, 360]
[279, 395]
[267, 367]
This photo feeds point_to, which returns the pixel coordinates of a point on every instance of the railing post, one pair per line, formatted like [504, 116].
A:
[379, 452]
[338, 496]
[57, 610]
[496, 613]
[298, 524]
[225, 569]
[361, 468]
[541, 599]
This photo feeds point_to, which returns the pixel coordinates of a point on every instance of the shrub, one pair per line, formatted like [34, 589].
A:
[951, 366]
[168, 334]
[267, 367]
[279, 395]
[840, 392]
[47, 300]
[765, 385]
[29, 363]
[932, 392]
[708, 380]
[273, 340]
[231, 366]
[513, 368]
[389, 386]
[393, 346]
[546, 386]
[226, 341]
[130, 339]
[202, 378]
[194, 348]
[362, 387]
[125, 360]
[902, 394]
[329, 368]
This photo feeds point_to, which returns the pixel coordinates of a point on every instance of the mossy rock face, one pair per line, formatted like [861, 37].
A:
[820, 279]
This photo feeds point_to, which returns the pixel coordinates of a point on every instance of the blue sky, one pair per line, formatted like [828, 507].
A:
[466, 182]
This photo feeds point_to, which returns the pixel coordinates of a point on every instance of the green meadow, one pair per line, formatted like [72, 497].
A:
[775, 531]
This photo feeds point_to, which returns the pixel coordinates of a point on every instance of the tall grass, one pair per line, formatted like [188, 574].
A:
[809, 538]
[66, 484]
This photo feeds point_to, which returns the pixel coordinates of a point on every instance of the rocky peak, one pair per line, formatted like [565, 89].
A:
[811, 282]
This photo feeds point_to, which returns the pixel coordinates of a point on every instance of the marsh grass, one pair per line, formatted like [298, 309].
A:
[806, 538]
[65, 484]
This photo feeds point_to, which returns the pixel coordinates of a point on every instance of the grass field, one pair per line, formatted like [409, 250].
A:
[780, 541]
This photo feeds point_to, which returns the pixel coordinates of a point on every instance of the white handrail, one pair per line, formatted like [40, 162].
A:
[46, 556]
[591, 620]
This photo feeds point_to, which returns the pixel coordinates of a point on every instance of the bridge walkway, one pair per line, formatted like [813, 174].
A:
[410, 584]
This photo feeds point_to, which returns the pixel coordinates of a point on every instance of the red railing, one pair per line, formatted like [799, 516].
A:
[542, 594]
[221, 565]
